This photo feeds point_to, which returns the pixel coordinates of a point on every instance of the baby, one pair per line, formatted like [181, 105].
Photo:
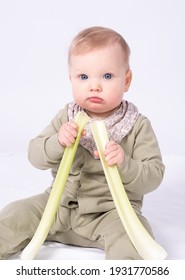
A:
[100, 74]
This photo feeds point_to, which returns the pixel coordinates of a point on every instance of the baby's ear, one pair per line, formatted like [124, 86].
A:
[128, 79]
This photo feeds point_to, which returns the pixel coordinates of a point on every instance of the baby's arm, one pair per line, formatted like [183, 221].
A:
[45, 150]
[138, 159]
[143, 169]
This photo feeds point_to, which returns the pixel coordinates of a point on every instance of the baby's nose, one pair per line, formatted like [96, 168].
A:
[95, 86]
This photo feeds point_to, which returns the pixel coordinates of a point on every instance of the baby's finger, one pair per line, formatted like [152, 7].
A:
[111, 155]
[96, 154]
[83, 132]
[110, 147]
[71, 128]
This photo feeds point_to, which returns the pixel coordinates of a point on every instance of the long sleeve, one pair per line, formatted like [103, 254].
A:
[45, 151]
[143, 169]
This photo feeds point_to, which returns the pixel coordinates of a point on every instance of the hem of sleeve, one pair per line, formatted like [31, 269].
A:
[128, 170]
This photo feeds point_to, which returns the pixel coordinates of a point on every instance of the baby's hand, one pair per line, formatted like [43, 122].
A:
[114, 154]
[67, 133]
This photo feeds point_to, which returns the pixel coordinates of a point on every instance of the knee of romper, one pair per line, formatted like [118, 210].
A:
[24, 211]
[118, 245]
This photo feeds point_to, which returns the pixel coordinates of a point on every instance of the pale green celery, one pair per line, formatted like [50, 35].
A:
[48, 216]
[145, 245]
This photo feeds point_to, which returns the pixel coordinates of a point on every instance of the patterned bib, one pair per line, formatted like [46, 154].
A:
[118, 124]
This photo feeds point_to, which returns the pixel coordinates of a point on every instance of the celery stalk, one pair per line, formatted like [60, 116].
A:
[146, 246]
[50, 210]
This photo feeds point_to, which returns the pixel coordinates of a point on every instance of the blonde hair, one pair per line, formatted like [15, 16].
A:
[97, 37]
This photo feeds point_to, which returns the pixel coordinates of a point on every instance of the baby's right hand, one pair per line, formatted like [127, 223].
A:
[67, 133]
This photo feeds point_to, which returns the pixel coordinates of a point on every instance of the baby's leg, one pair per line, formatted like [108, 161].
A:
[18, 222]
[116, 241]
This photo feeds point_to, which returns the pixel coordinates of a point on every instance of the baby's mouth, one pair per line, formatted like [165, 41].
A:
[95, 99]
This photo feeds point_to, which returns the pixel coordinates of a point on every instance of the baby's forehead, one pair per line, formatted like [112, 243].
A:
[95, 50]
[98, 61]
[103, 52]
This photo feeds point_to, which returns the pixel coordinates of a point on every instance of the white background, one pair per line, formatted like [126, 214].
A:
[34, 85]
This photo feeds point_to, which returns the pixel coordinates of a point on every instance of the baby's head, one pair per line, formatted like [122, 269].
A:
[98, 37]
[99, 70]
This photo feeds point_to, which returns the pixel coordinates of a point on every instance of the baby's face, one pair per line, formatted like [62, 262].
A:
[99, 79]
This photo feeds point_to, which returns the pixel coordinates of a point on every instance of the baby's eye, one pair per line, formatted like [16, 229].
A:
[108, 76]
[83, 77]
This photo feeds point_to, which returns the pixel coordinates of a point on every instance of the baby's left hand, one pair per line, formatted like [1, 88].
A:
[114, 154]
